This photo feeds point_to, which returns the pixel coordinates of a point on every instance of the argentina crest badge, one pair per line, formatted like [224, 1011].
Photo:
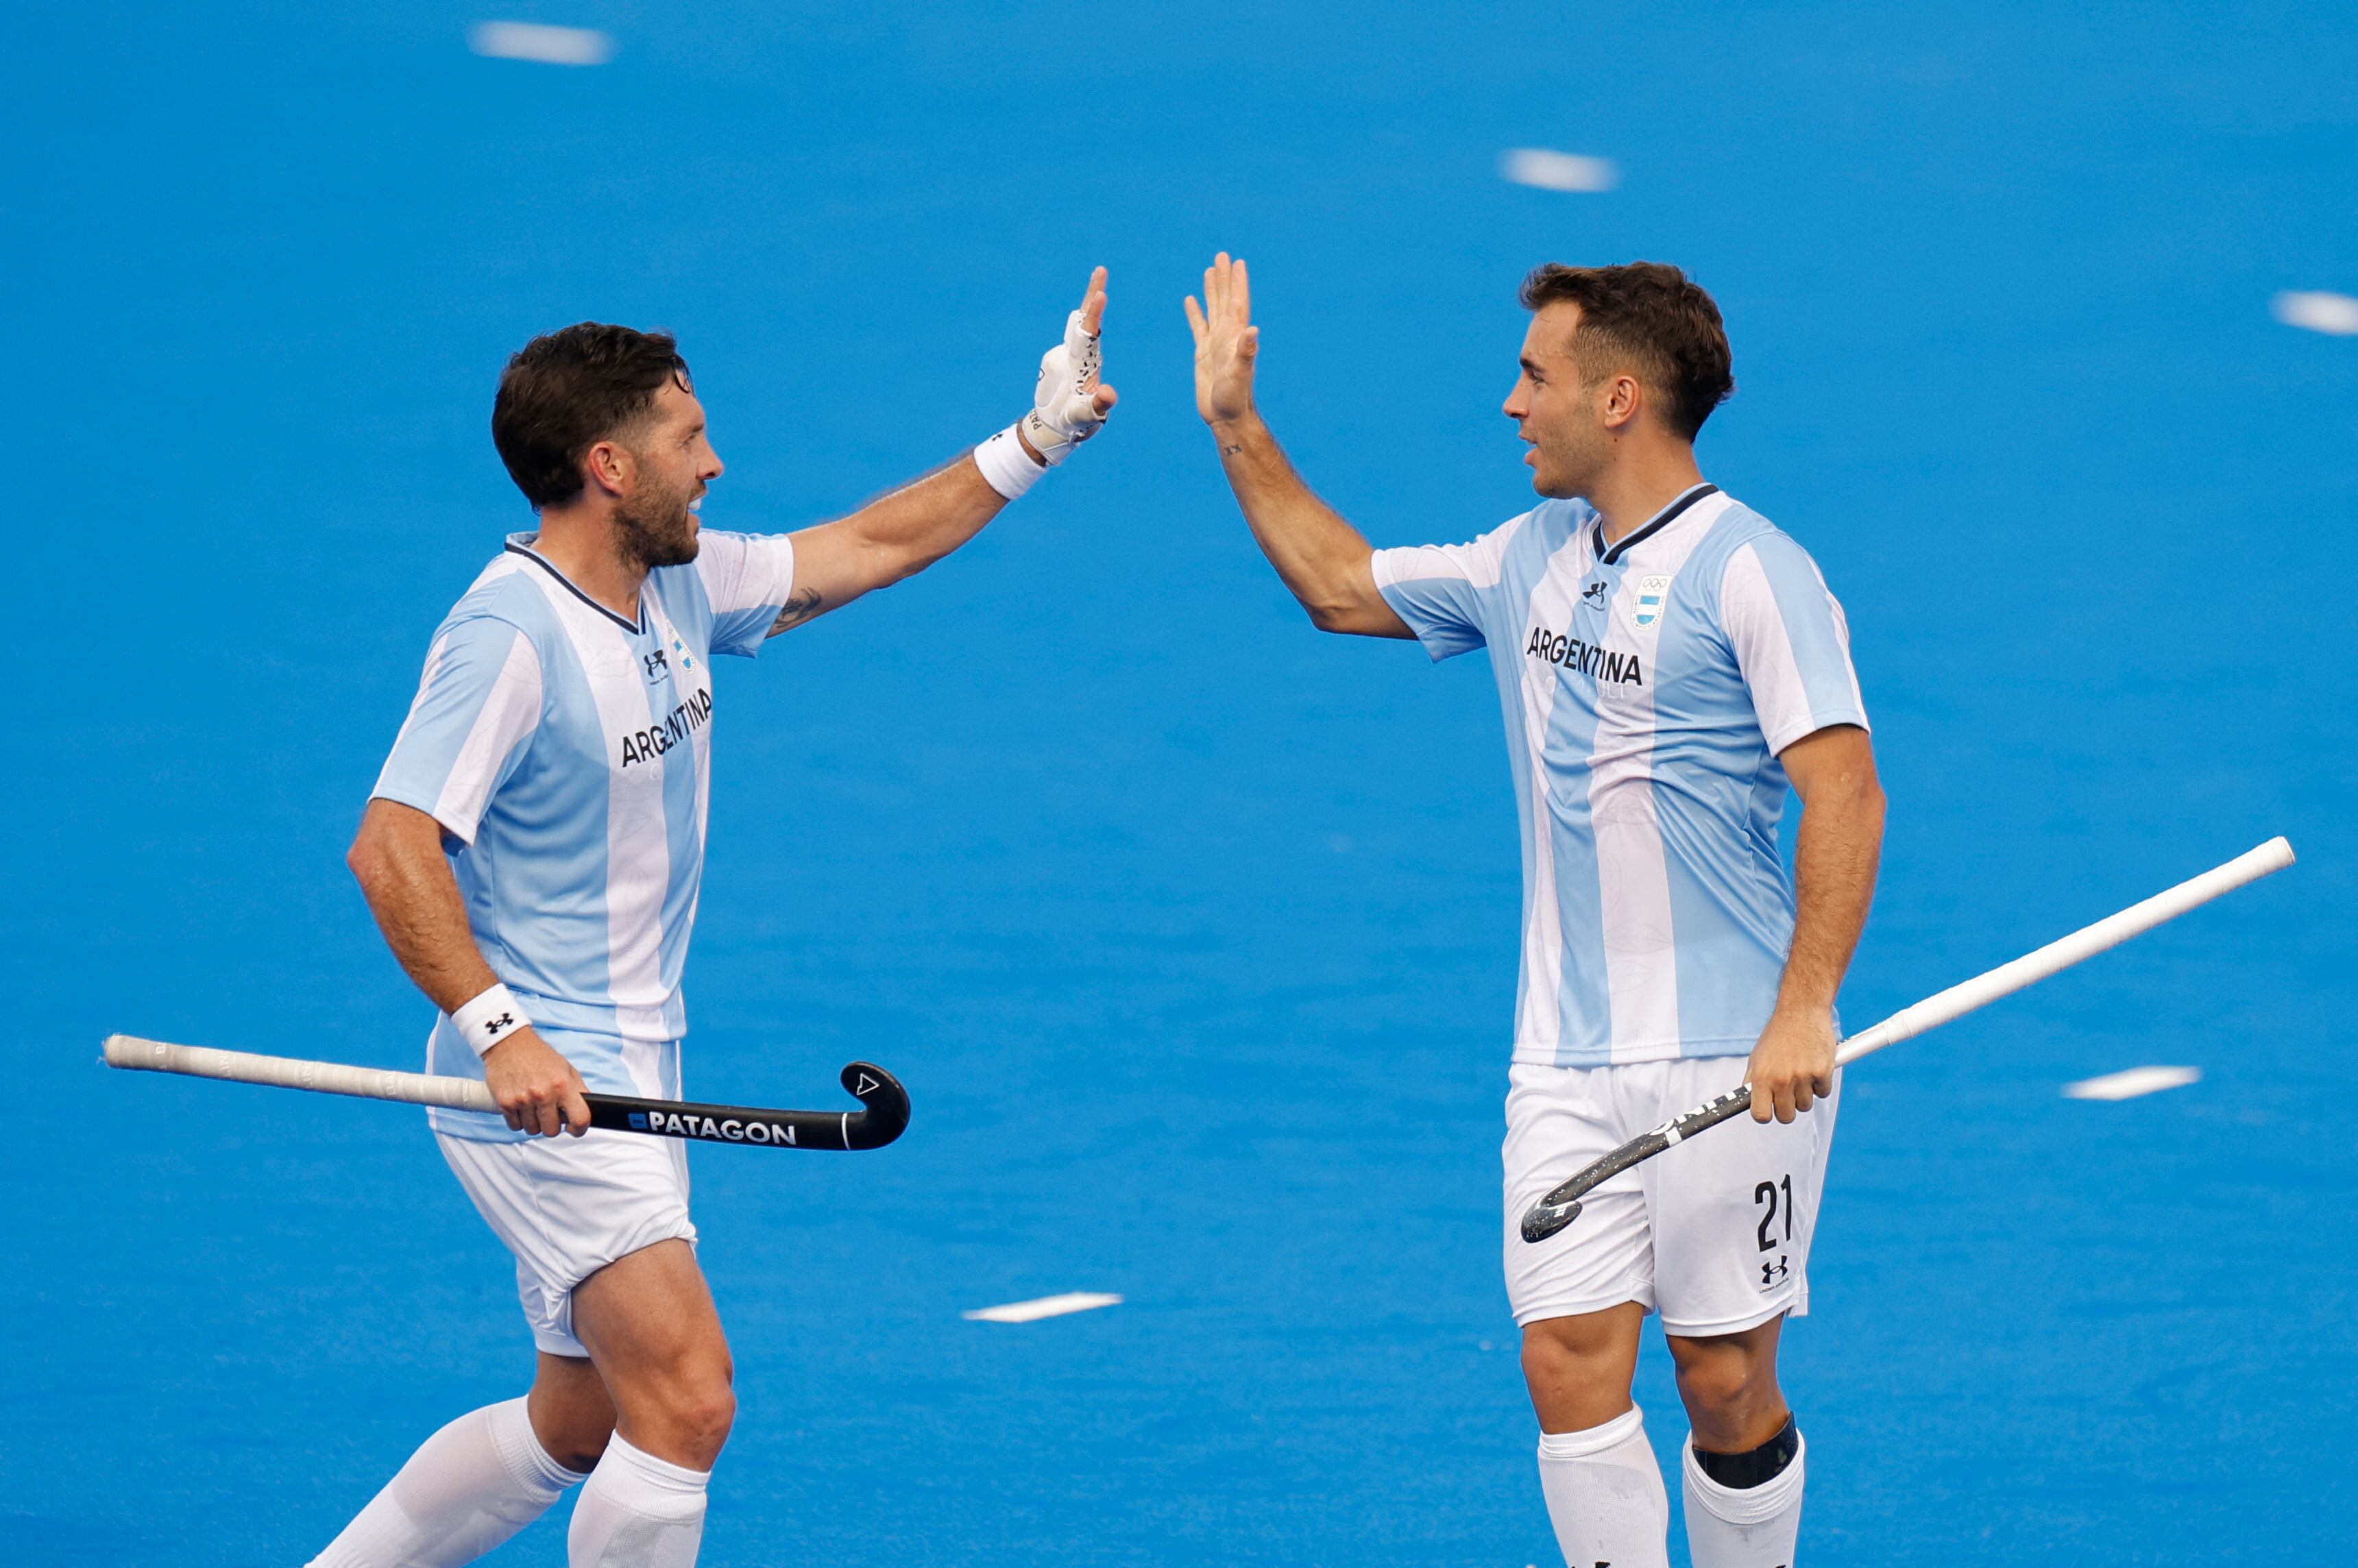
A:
[1646, 605]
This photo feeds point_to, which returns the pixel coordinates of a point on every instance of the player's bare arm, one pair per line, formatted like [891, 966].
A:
[1836, 850]
[906, 530]
[398, 859]
[1322, 559]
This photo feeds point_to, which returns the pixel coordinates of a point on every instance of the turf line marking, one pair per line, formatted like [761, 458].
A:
[1550, 170]
[2336, 314]
[1043, 1306]
[2132, 1082]
[540, 43]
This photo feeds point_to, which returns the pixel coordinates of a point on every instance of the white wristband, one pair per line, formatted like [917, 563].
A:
[489, 1019]
[1006, 467]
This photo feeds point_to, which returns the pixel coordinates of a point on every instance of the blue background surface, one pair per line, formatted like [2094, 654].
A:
[1191, 931]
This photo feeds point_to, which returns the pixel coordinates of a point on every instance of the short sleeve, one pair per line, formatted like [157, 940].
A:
[478, 704]
[747, 578]
[1440, 589]
[1791, 642]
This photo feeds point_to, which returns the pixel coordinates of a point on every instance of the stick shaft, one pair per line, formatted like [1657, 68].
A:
[886, 1104]
[1945, 1007]
[289, 1073]
[1561, 1206]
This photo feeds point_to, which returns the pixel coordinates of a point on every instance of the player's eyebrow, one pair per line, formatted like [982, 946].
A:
[1531, 366]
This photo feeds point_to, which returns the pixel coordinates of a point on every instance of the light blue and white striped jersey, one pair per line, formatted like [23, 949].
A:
[565, 752]
[1647, 690]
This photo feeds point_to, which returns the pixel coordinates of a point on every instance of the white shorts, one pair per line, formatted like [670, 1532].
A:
[567, 1206]
[1713, 1233]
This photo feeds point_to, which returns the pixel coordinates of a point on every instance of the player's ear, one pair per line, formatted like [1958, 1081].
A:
[607, 465]
[1623, 398]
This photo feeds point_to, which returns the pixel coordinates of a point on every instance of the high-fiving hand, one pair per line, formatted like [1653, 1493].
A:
[1069, 403]
[1226, 341]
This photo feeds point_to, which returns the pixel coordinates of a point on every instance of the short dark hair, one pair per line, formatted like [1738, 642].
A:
[1651, 318]
[568, 390]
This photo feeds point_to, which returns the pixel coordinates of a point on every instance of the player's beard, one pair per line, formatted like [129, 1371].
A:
[1571, 462]
[654, 528]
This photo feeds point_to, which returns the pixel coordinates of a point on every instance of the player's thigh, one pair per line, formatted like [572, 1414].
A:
[1559, 1119]
[567, 1207]
[649, 1316]
[1733, 1208]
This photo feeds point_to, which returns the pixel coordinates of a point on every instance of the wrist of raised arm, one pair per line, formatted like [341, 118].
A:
[1240, 434]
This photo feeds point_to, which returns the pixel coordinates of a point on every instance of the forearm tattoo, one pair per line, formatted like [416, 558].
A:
[800, 606]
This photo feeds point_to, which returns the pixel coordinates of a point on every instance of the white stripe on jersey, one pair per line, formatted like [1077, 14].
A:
[1632, 871]
[510, 714]
[1539, 1008]
[1764, 647]
[638, 851]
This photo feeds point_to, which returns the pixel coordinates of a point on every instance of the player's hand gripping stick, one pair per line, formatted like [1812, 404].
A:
[1562, 1206]
[886, 1115]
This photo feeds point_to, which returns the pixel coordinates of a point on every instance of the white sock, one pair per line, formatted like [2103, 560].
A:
[638, 1511]
[471, 1485]
[1605, 1495]
[1751, 1528]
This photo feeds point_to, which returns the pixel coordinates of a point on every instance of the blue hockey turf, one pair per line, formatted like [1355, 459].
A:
[1191, 931]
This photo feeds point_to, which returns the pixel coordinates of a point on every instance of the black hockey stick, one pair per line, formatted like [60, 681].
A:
[1562, 1206]
[886, 1103]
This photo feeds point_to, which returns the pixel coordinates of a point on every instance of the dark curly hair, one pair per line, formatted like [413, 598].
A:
[566, 391]
[1649, 317]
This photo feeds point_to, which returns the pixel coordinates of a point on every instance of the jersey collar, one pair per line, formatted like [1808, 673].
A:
[520, 544]
[1652, 525]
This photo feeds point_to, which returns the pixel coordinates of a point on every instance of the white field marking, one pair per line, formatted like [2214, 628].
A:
[536, 41]
[2319, 312]
[1558, 171]
[2132, 1082]
[1044, 1306]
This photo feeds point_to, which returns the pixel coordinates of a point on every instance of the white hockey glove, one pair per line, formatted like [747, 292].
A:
[1064, 407]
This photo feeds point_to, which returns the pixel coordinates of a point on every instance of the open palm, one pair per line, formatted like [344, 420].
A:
[1226, 341]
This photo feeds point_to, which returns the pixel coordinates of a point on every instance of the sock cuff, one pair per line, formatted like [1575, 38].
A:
[657, 1483]
[520, 1450]
[1749, 1505]
[1594, 1440]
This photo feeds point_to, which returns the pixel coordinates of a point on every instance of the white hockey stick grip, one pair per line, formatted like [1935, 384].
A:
[287, 1071]
[2061, 953]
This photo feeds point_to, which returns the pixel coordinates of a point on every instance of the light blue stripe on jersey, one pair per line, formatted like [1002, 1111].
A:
[1646, 689]
[563, 750]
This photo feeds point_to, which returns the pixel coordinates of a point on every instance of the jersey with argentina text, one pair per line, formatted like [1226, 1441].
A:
[1648, 688]
[565, 751]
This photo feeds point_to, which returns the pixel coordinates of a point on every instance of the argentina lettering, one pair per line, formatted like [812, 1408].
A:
[685, 720]
[1600, 664]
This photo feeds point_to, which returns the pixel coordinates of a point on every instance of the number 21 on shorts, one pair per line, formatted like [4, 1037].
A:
[1775, 1199]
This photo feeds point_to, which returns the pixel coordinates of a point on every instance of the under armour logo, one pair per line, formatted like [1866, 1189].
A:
[1594, 595]
[654, 662]
[504, 1021]
[1772, 1272]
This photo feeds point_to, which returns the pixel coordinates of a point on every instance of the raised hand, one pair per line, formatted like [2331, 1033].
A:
[1070, 402]
[1226, 341]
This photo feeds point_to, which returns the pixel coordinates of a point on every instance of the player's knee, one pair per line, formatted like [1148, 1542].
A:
[1724, 1383]
[707, 1417]
[704, 1406]
[1564, 1351]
